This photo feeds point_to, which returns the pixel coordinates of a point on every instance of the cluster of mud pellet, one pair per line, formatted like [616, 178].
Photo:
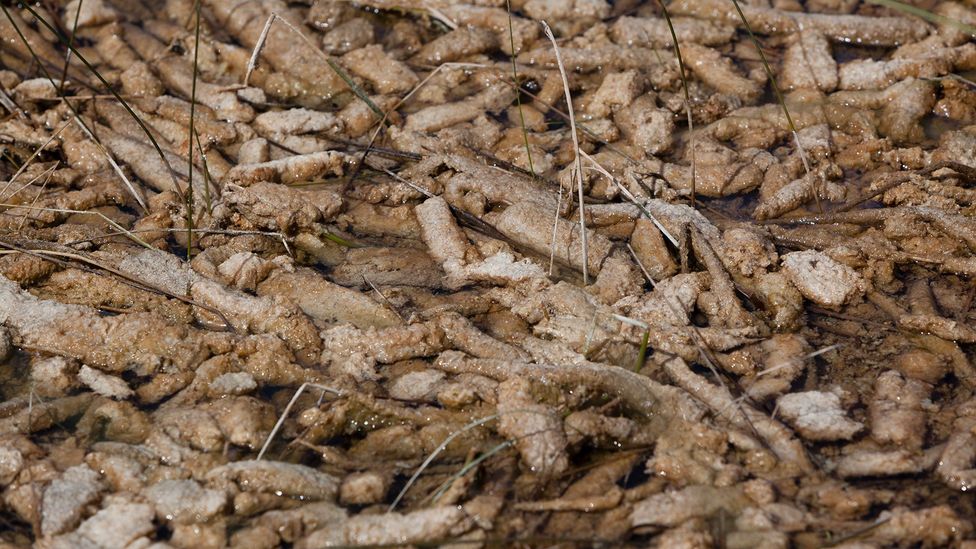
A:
[347, 293]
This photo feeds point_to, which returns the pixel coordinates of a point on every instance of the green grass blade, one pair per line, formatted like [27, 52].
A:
[642, 355]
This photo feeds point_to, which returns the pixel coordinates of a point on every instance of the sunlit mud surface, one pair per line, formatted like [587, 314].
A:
[329, 274]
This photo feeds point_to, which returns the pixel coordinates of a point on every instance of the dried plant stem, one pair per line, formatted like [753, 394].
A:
[136, 282]
[30, 159]
[262, 38]
[578, 170]
[926, 14]
[630, 196]
[189, 147]
[430, 458]
[50, 28]
[515, 82]
[684, 86]
[284, 413]
[48, 173]
[779, 93]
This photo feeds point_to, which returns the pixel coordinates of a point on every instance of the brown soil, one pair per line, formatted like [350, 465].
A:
[339, 274]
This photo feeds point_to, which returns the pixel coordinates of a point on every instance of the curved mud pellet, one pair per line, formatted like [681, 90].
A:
[532, 228]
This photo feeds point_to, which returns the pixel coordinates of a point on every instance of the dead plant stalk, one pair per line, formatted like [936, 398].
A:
[578, 169]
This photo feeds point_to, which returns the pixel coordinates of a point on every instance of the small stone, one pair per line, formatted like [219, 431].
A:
[276, 477]
[821, 279]
[363, 488]
[11, 461]
[185, 501]
[416, 385]
[66, 497]
[233, 383]
[817, 416]
[118, 525]
[104, 384]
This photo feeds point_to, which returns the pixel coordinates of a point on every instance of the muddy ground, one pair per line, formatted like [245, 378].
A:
[321, 274]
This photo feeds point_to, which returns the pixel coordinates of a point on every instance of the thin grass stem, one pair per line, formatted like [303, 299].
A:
[578, 161]
[515, 81]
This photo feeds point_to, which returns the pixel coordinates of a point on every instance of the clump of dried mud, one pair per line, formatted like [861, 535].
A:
[287, 320]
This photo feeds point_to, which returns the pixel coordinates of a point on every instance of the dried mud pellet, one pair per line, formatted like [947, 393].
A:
[348, 36]
[459, 43]
[54, 376]
[821, 279]
[358, 118]
[292, 169]
[572, 9]
[651, 251]
[619, 277]
[185, 501]
[876, 31]
[719, 73]
[388, 266]
[922, 365]
[647, 127]
[387, 75]
[437, 117]
[900, 117]
[295, 121]
[536, 428]
[254, 151]
[278, 477]
[596, 58]
[103, 384]
[139, 80]
[896, 412]
[65, 498]
[388, 528]
[532, 227]
[524, 31]
[364, 488]
[654, 31]
[137, 341]
[617, 90]
[809, 64]
[440, 231]
[91, 14]
[314, 82]
[673, 508]
[817, 416]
